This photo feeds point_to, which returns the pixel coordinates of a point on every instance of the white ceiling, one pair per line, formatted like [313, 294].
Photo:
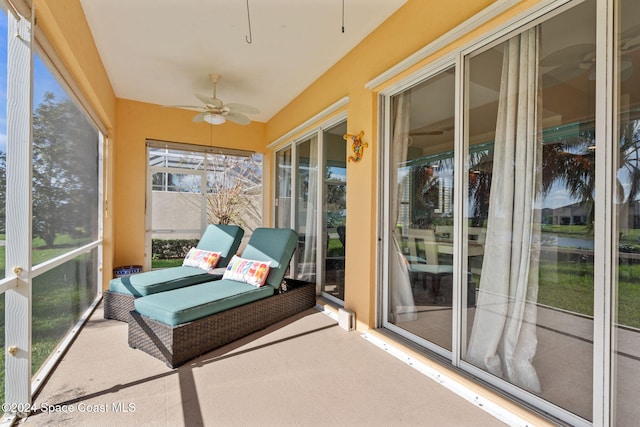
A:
[162, 51]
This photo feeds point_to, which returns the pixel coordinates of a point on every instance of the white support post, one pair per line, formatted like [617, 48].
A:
[18, 235]
[605, 225]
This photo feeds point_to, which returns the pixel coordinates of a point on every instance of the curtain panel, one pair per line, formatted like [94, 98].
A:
[503, 339]
[402, 305]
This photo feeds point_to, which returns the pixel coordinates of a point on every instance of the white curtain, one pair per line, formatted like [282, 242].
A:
[309, 189]
[503, 338]
[402, 304]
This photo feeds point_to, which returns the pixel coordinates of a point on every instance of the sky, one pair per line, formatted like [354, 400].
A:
[43, 81]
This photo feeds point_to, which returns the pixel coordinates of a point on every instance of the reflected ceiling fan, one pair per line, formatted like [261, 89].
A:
[216, 112]
[427, 133]
[572, 61]
[415, 133]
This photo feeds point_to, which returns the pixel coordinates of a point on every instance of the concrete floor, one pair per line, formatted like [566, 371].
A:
[305, 371]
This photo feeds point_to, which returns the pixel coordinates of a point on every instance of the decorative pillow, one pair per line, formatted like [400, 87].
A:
[248, 271]
[200, 258]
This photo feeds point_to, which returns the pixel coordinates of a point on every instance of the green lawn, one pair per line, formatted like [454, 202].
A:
[567, 230]
[566, 286]
[63, 244]
[60, 296]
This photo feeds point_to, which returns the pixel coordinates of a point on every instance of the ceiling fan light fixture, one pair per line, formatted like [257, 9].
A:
[214, 119]
[216, 112]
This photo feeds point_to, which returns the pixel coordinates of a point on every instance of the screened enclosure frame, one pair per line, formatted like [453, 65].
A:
[24, 41]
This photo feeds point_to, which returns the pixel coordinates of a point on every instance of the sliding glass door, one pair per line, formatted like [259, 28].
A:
[306, 208]
[334, 210]
[283, 189]
[531, 175]
[518, 162]
[421, 209]
[315, 167]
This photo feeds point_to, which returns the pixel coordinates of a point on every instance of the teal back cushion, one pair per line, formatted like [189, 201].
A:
[272, 244]
[222, 238]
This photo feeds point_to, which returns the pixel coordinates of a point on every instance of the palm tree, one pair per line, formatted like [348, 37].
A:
[480, 172]
[570, 162]
[629, 161]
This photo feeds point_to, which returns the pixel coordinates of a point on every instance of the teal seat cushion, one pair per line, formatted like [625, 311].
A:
[216, 238]
[194, 302]
[154, 281]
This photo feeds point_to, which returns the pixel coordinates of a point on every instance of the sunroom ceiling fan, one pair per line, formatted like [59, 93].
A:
[216, 112]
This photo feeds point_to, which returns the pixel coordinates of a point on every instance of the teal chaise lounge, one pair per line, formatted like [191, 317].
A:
[179, 325]
[118, 300]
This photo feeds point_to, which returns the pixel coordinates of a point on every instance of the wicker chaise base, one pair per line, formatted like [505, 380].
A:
[117, 306]
[176, 345]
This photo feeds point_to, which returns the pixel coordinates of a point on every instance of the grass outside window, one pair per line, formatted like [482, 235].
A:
[60, 296]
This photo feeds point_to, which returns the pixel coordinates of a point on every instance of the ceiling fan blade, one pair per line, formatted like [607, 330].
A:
[427, 133]
[209, 101]
[562, 74]
[200, 117]
[199, 107]
[630, 44]
[626, 70]
[630, 33]
[568, 55]
[238, 118]
[242, 108]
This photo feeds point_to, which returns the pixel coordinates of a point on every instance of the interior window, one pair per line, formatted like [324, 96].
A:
[191, 188]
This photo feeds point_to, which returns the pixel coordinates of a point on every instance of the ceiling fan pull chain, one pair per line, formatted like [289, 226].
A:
[249, 38]
[342, 15]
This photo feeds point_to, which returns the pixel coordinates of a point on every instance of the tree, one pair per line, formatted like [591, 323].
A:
[64, 171]
[233, 190]
[336, 189]
[480, 173]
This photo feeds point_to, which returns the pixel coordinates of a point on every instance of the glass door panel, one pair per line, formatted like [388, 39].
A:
[307, 208]
[626, 326]
[531, 174]
[283, 189]
[334, 210]
[421, 209]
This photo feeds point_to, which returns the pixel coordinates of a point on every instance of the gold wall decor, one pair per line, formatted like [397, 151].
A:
[357, 146]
